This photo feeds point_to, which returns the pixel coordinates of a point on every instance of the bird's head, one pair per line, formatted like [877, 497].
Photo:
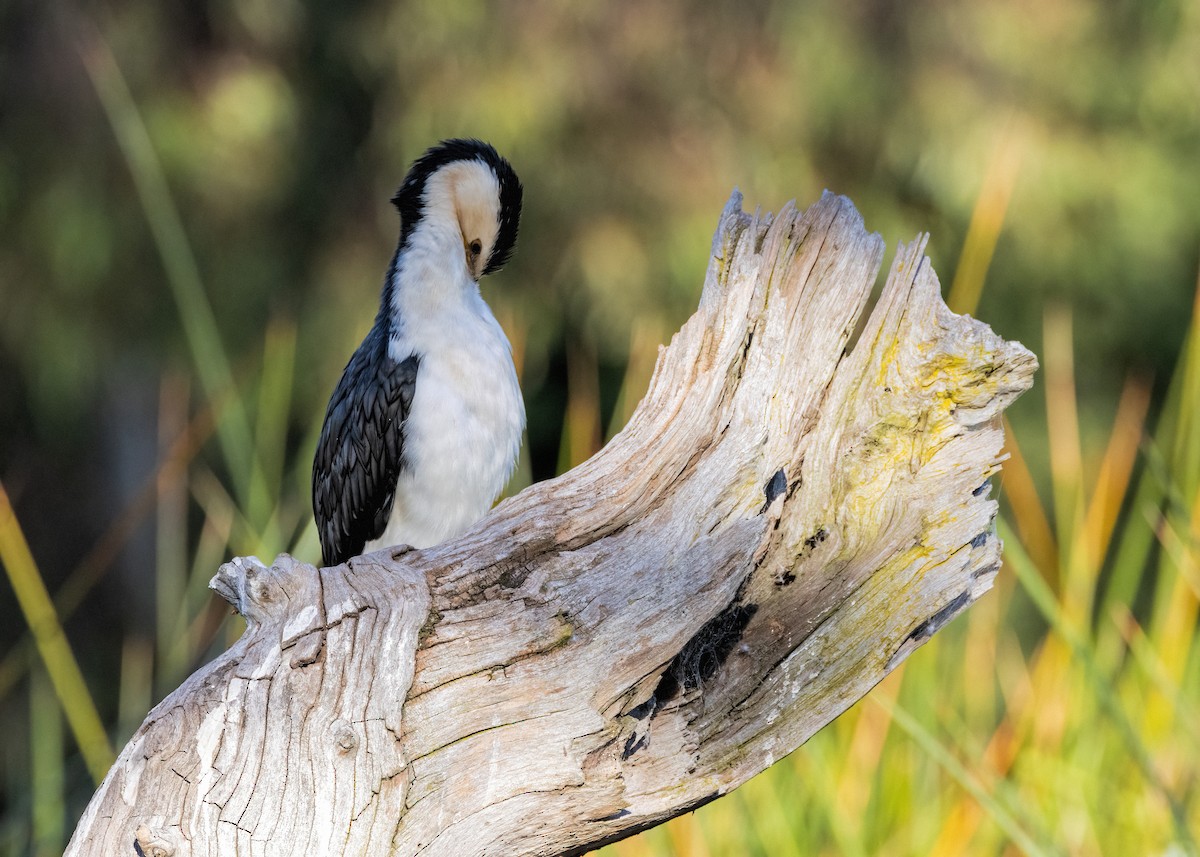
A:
[464, 185]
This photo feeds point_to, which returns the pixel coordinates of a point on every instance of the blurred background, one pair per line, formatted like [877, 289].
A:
[194, 226]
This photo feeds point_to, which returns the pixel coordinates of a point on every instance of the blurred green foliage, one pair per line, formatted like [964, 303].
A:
[280, 130]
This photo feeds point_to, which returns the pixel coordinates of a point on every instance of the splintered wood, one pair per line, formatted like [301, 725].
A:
[791, 512]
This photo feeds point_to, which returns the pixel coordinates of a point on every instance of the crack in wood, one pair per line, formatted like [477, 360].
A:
[461, 738]
[775, 486]
[702, 655]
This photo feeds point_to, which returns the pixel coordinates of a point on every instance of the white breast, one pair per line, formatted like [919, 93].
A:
[463, 431]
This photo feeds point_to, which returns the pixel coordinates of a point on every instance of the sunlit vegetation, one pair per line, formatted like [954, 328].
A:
[193, 230]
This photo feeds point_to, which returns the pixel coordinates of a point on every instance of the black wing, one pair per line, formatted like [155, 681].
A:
[360, 453]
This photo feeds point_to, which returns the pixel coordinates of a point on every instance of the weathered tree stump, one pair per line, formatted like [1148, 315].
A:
[786, 517]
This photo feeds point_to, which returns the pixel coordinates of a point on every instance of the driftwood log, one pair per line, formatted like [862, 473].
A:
[791, 511]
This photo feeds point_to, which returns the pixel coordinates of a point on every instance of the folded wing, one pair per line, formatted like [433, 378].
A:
[361, 450]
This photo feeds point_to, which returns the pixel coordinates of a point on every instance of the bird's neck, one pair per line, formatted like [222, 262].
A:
[427, 280]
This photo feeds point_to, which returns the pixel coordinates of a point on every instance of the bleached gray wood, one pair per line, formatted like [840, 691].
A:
[556, 678]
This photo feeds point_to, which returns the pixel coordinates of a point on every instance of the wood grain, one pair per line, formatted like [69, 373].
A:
[791, 511]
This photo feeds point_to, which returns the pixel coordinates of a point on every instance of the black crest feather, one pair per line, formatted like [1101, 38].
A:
[410, 203]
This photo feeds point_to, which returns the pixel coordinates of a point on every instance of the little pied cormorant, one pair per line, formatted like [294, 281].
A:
[424, 428]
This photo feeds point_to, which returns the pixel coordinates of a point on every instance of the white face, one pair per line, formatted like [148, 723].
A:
[474, 197]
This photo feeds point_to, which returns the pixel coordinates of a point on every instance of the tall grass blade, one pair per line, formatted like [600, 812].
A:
[92, 568]
[1116, 470]
[1187, 449]
[934, 749]
[1152, 666]
[1027, 510]
[52, 645]
[216, 503]
[46, 767]
[170, 530]
[865, 749]
[1066, 460]
[193, 612]
[271, 425]
[1102, 686]
[1173, 619]
[644, 341]
[581, 428]
[183, 273]
[1134, 550]
[307, 544]
[987, 220]
[137, 684]
[1175, 459]
[1162, 484]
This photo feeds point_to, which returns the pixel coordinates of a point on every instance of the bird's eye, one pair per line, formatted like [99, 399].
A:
[476, 247]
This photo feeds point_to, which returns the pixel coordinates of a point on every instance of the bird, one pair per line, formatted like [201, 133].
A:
[423, 430]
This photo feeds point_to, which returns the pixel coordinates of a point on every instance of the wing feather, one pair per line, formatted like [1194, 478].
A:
[361, 450]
